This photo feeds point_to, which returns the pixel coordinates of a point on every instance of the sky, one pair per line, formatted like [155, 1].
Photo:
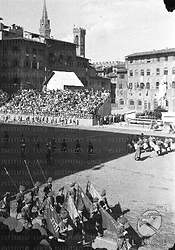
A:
[114, 28]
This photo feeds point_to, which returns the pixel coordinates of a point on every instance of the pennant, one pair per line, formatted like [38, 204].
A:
[91, 192]
[83, 200]
[52, 219]
[70, 206]
[108, 222]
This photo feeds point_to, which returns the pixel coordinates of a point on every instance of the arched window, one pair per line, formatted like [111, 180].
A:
[131, 102]
[148, 85]
[165, 72]
[155, 103]
[148, 72]
[157, 71]
[157, 85]
[142, 85]
[139, 103]
[130, 85]
[136, 72]
[173, 85]
[173, 70]
[142, 72]
[121, 101]
[145, 105]
[130, 73]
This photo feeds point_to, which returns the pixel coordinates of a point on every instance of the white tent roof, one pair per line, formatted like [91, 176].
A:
[62, 78]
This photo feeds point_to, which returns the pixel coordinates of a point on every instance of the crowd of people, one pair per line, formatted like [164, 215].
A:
[76, 213]
[139, 144]
[3, 97]
[79, 103]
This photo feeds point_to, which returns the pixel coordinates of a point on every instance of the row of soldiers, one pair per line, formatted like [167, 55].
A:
[54, 120]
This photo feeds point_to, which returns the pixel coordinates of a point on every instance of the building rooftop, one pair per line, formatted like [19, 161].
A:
[153, 52]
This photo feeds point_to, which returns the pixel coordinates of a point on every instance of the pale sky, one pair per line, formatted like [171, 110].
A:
[114, 28]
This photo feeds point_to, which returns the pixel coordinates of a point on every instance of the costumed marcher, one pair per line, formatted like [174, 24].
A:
[34, 195]
[77, 148]
[6, 203]
[20, 199]
[63, 146]
[48, 153]
[47, 188]
[6, 138]
[121, 233]
[104, 203]
[53, 145]
[90, 149]
[138, 149]
[26, 212]
[96, 217]
[60, 198]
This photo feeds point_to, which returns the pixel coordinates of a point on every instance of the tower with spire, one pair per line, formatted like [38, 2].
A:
[44, 29]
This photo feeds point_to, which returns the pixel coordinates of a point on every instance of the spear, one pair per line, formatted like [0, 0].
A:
[29, 173]
[41, 170]
[7, 173]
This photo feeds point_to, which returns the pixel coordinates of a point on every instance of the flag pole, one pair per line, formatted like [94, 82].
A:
[7, 173]
[41, 170]
[29, 173]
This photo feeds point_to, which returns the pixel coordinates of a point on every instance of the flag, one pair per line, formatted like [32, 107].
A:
[70, 206]
[91, 192]
[83, 200]
[108, 222]
[52, 219]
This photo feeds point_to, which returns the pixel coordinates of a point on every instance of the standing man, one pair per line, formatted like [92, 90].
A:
[63, 146]
[6, 138]
[60, 200]
[90, 149]
[47, 188]
[77, 148]
[20, 199]
[6, 203]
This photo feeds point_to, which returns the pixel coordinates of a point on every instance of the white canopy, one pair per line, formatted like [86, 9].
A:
[61, 79]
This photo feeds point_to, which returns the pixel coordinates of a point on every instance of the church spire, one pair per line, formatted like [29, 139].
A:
[44, 29]
[44, 16]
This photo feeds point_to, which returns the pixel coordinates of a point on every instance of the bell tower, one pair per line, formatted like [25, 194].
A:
[44, 29]
[79, 40]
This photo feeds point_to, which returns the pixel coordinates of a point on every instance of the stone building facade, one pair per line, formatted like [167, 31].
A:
[151, 80]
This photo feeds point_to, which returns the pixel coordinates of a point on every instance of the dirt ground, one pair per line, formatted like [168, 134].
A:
[138, 186]
[143, 185]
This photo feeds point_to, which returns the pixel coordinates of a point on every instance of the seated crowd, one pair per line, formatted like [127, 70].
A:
[79, 103]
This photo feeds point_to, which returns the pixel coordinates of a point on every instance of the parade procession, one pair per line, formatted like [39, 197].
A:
[62, 218]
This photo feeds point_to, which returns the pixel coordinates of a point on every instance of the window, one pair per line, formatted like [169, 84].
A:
[139, 103]
[155, 103]
[165, 71]
[166, 103]
[149, 60]
[122, 76]
[166, 58]
[27, 51]
[142, 72]
[173, 70]
[130, 85]
[130, 73]
[148, 85]
[148, 72]
[157, 71]
[145, 105]
[121, 102]
[158, 59]
[142, 85]
[120, 86]
[149, 105]
[173, 85]
[136, 72]
[157, 85]
[131, 103]
[27, 64]
[34, 65]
